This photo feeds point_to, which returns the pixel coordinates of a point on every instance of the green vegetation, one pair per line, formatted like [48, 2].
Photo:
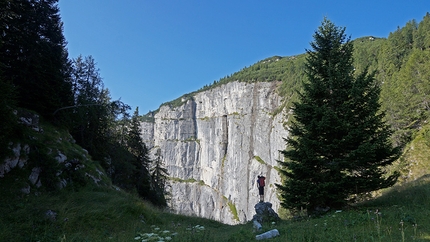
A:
[224, 158]
[179, 101]
[288, 70]
[68, 94]
[147, 118]
[404, 72]
[33, 56]
[414, 162]
[206, 118]
[8, 127]
[45, 145]
[104, 214]
[159, 175]
[191, 180]
[190, 139]
[175, 179]
[258, 158]
[338, 144]
[233, 210]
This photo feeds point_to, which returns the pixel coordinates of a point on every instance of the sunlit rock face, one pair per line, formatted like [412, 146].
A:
[215, 145]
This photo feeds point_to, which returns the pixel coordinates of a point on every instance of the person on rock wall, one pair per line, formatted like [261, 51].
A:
[260, 184]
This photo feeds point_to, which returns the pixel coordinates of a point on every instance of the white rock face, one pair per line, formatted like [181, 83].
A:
[216, 144]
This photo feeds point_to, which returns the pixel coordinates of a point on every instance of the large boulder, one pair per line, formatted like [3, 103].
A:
[265, 213]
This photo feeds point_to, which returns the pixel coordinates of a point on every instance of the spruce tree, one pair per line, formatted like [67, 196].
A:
[34, 55]
[141, 161]
[9, 121]
[338, 144]
[159, 176]
[91, 115]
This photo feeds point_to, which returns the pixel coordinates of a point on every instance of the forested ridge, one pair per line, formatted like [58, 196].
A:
[401, 63]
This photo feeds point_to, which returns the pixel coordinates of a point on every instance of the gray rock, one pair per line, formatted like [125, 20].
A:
[28, 118]
[267, 235]
[34, 176]
[222, 139]
[61, 158]
[51, 215]
[265, 213]
[256, 225]
[26, 189]
[18, 159]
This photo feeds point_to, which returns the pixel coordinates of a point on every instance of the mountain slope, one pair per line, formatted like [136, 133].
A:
[179, 125]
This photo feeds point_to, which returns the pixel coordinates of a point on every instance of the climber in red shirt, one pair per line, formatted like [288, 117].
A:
[260, 184]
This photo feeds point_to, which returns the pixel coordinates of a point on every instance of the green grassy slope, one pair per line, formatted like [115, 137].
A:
[104, 214]
[414, 163]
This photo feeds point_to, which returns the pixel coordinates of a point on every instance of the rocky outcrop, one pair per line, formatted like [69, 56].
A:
[72, 163]
[18, 159]
[264, 213]
[215, 145]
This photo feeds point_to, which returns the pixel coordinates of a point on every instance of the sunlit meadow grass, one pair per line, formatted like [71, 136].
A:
[102, 214]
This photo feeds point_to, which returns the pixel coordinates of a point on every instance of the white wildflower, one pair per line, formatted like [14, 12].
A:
[149, 234]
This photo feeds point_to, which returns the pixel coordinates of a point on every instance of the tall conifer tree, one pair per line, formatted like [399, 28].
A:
[159, 176]
[34, 55]
[338, 144]
[137, 147]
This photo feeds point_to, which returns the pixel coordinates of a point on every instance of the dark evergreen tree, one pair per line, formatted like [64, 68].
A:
[422, 35]
[93, 115]
[405, 90]
[8, 122]
[34, 55]
[141, 160]
[411, 87]
[90, 113]
[135, 143]
[159, 176]
[338, 144]
[402, 42]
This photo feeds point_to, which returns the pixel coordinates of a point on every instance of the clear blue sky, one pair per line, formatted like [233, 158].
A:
[154, 51]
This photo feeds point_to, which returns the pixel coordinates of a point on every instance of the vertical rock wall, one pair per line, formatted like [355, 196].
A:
[215, 145]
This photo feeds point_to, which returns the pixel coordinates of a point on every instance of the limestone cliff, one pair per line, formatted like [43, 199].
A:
[215, 144]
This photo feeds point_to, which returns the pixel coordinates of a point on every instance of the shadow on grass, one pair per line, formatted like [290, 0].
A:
[416, 193]
[408, 205]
